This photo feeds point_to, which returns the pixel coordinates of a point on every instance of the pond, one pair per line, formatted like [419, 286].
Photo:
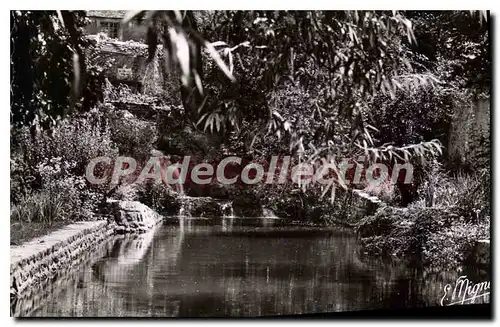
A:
[236, 267]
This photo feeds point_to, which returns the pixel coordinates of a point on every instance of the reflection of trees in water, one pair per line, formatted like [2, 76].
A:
[78, 291]
[283, 277]
[195, 273]
[408, 284]
[127, 252]
[59, 289]
[131, 270]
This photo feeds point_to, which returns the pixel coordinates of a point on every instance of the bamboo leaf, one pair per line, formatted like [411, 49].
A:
[367, 133]
[182, 52]
[218, 60]
[201, 118]
[60, 17]
[231, 66]
[178, 15]
[217, 122]
[277, 114]
[332, 194]
[218, 43]
[199, 85]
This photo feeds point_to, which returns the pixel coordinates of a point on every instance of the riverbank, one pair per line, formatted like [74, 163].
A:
[242, 271]
[440, 237]
[41, 259]
[35, 263]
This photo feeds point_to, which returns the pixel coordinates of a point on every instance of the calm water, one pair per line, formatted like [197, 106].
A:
[233, 270]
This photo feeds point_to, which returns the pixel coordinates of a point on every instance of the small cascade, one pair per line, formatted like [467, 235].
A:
[182, 211]
[227, 209]
[268, 213]
[185, 210]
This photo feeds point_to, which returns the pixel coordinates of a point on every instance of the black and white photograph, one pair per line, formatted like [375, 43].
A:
[250, 163]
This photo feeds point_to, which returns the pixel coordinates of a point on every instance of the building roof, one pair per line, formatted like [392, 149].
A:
[106, 13]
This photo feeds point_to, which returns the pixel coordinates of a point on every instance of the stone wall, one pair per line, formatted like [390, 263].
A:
[35, 264]
[126, 63]
[37, 294]
[41, 259]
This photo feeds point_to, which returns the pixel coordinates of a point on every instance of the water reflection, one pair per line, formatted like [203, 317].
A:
[234, 270]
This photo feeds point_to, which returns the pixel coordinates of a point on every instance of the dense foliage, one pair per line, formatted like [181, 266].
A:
[49, 71]
[320, 86]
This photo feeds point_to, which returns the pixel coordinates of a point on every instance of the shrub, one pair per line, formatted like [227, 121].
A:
[467, 194]
[385, 191]
[133, 137]
[247, 204]
[74, 140]
[59, 199]
[125, 193]
[48, 168]
[158, 196]
[440, 236]
[22, 178]
[78, 201]
[448, 246]
[38, 207]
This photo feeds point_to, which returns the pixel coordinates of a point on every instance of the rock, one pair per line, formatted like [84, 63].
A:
[132, 216]
[247, 204]
[202, 207]
[290, 206]
[218, 191]
[480, 254]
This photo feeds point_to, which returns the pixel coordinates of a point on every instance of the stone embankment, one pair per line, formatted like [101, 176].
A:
[37, 262]
[132, 216]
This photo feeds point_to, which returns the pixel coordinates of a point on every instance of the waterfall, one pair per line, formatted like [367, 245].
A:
[227, 209]
[227, 215]
[268, 213]
[183, 211]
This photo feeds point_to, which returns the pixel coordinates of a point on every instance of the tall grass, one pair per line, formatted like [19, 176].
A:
[466, 194]
[39, 207]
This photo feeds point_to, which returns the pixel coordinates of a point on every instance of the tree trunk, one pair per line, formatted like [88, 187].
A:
[190, 95]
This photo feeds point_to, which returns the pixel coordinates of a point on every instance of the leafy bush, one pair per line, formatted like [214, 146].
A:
[132, 136]
[48, 169]
[43, 54]
[247, 204]
[125, 193]
[158, 196]
[123, 93]
[467, 194]
[74, 140]
[22, 178]
[448, 246]
[59, 199]
[441, 235]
